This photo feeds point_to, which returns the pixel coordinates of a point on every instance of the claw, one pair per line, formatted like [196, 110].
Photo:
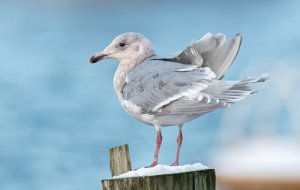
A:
[154, 163]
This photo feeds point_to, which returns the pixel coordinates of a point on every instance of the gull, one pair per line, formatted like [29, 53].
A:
[168, 91]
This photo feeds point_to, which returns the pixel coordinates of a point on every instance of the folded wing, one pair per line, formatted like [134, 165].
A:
[155, 83]
[167, 88]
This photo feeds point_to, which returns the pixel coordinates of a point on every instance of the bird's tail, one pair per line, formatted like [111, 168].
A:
[234, 91]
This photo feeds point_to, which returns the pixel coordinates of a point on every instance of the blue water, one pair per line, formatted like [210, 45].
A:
[59, 116]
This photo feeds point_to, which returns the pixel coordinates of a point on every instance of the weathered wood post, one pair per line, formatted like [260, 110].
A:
[119, 160]
[120, 163]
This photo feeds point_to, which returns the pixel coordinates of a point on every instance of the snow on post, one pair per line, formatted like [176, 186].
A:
[160, 177]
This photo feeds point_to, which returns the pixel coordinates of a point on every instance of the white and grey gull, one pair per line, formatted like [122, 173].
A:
[167, 91]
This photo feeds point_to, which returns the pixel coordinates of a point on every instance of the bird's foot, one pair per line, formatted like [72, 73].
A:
[154, 163]
[175, 164]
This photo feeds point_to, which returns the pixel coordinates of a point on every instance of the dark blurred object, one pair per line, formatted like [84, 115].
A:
[227, 183]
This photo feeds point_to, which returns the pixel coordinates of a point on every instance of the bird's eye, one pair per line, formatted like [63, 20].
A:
[122, 44]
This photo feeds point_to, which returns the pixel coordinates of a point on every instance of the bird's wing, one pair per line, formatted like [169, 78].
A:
[218, 94]
[213, 51]
[154, 84]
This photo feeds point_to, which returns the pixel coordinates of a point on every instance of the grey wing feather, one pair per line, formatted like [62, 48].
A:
[155, 83]
[212, 50]
[217, 95]
[193, 107]
[233, 91]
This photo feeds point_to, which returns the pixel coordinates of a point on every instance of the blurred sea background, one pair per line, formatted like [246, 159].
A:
[59, 116]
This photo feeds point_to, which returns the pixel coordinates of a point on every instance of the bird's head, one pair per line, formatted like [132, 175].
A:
[132, 47]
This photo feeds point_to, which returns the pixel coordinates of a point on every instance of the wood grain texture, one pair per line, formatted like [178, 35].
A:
[119, 160]
[195, 180]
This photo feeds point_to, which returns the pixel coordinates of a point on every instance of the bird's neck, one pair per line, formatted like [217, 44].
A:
[126, 65]
[120, 75]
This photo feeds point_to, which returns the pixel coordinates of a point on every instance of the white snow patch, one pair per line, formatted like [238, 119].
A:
[264, 158]
[162, 169]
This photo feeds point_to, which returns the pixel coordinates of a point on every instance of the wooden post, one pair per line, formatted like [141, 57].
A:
[119, 160]
[196, 180]
[120, 163]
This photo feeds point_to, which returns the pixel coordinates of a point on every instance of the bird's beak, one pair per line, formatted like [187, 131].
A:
[98, 56]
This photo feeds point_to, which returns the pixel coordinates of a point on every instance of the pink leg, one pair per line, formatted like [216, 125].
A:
[179, 142]
[158, 143]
